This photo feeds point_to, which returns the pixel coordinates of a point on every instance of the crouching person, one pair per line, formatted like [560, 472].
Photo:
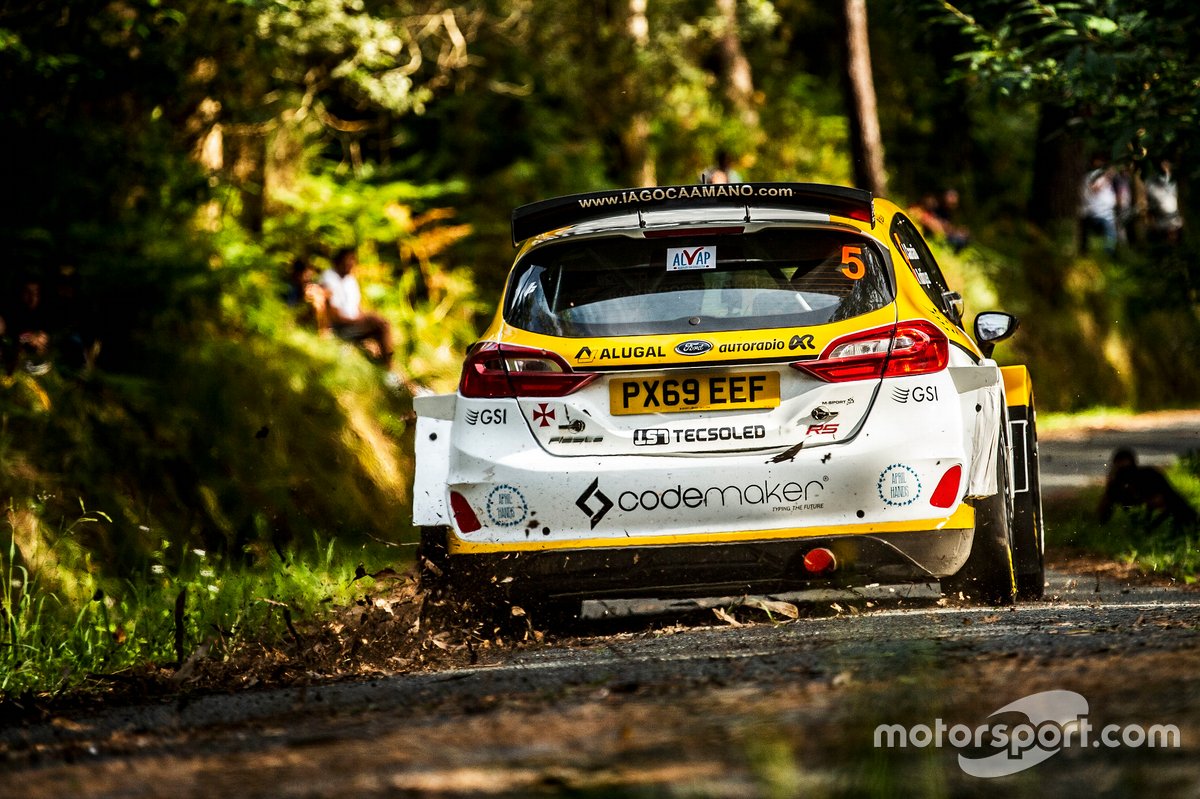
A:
[1144, 488]
[345, 311]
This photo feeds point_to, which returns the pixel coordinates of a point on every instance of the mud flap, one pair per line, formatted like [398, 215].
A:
[981, 393]
[435, 416]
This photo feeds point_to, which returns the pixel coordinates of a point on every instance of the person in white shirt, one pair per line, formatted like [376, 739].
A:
[1098, 206]
[723, 172]
[1162, 197]
[345, 306]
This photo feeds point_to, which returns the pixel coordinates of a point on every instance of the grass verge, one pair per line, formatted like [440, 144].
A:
[1130, 536]
[66, 629]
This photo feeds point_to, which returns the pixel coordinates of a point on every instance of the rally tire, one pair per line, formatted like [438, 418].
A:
[1029, 533]
[988, 576]
[557, 615]
[433, 559]
[456, 599]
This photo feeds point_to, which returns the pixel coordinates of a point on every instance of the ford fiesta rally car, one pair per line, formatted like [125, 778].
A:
[719, 389]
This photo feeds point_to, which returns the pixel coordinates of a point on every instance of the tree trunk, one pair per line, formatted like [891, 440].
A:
[247, 162]
[636, 137]
[1059, 163]
[736, 76]
[866, 143]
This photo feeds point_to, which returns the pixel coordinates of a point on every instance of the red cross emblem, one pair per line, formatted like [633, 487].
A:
[543, 414]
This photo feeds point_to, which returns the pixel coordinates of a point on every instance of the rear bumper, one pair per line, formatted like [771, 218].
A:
[689, 570]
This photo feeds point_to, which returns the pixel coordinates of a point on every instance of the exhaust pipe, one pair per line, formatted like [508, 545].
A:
[820, 561]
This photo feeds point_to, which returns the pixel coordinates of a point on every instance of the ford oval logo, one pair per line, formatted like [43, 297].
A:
[693, 347]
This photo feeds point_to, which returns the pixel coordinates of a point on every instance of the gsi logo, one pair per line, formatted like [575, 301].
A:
[915, 394]
[488, 416]
[693, 347]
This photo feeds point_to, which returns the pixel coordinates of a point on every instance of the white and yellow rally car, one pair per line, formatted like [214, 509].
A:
[719, 389]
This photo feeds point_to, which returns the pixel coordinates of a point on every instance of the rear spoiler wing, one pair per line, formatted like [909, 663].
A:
[542, 217]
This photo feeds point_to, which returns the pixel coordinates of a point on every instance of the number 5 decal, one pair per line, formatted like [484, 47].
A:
[852, 262]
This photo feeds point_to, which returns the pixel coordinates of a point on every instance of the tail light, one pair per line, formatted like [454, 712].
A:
[464, 514]
[503, 370]
[947, 488]
[908, 348]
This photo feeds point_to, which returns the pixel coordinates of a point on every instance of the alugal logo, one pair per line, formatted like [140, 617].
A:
[1055, 720]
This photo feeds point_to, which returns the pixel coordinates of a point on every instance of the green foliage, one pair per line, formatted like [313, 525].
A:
[217, 419]
[64, 624]
[1094, 332]
[377, 55]
[432, 307]
[1131, 67]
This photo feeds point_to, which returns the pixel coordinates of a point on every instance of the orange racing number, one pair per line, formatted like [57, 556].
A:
[852, 262]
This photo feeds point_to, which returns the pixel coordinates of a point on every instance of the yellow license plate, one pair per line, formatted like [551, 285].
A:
[699, 392]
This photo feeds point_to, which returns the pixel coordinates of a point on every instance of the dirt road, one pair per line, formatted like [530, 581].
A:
[762, 709]
[682, 703]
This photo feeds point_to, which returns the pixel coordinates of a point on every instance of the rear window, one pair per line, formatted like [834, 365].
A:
[632, 286]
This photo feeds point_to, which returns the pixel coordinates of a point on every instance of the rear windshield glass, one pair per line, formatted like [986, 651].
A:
[631, 286]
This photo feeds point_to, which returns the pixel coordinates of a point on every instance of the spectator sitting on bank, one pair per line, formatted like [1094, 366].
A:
[72, 321]
[346, 316]
[723, 172]
[1131, 486]
[957, 236]
[303, 288]
[937, 218]
[23, 331]
[925, 214]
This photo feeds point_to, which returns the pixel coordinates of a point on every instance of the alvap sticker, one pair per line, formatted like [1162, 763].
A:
[684, 258]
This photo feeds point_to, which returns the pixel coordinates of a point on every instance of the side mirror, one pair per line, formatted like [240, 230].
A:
[992, 327]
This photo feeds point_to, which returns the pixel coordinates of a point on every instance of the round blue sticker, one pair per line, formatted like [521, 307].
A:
[506, 506]
[899, 485]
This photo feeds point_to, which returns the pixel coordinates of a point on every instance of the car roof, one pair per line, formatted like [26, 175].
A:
[674, 205]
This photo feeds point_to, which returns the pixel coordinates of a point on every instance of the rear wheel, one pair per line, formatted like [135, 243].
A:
[1029, 534]
[554, 615]
[433, 558]
[988, 576]
[453, 597]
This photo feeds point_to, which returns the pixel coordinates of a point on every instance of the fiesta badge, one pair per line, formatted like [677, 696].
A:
[693, 347]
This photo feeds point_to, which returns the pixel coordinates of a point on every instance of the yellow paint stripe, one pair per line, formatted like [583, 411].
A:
[961, 519]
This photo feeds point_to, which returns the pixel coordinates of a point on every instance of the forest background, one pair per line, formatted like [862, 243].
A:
[167, 160]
